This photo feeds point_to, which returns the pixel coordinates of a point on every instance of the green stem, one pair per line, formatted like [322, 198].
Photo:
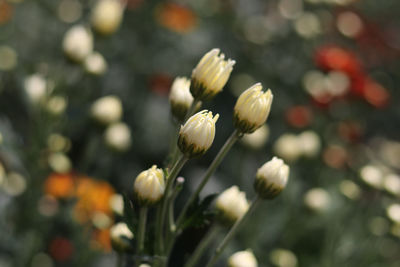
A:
[142, 229]
[170, 180]
[211, 169]
[204, 243]
[119, 260]
[218, 251]
[191, 110]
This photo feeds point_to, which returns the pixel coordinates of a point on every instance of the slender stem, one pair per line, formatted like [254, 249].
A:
[142, 229]
[211, 169]
[192, 109]
[204, 243]
[119, 260]
[170, 180]
[218, 251]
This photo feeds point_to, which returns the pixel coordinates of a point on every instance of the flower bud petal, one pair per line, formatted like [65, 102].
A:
[78, 43]
[210, 75]
[197, 135]
[271, 178]
[149, 186]
[180, 97]
[244, 258]
[107, 16]
[252, 109]
[232, 205]
[121, 236]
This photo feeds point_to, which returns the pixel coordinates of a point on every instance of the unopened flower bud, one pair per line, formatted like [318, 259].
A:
[252, 109]
[197, 135]
[121, 236]
[107, 16]
[107, 109]
[95, 64]
[118, 136]
[180, 97]
[271, 178]
[232, 205]
[244, 258]
[210, 75]
[78, 43]
[149, 186]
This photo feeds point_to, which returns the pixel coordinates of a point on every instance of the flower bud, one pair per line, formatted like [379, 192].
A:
[107, 109]
[78, 43]
[232, 205]
[118, 136]
[244, 258]
[121, 236]
[35, 87]
[149, 186]
[210, 75]
[197, 135]
[107, 16]
[180, 97]
[95, 64]
[271, 178]
[252, 109]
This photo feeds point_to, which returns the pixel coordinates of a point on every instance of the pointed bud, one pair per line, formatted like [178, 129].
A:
[244, 258]
[210, 75]
[107, 109]
[180, 97]
[271, 178]
[232, 205]
[121, 237]
[149, 186]
[78, 43]
[197, 135]
[252, 109]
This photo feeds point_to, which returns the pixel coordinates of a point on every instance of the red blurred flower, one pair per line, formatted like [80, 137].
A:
[376, 94]
[299, 116]
[176, 17]
[6, 12]
[160, 83]
[61, 249]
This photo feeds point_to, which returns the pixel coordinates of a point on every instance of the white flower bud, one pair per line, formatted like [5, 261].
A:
[271, 178]
[197, 135]
[78, 43]
[121, 236]
[283, 258]
[244, 258]
[252, 109]
[232, 204]
[317, 199]
[210, 75]
[107, 16]
[288, 147]
[118, 136]
[117, 204]
[149, 186]
[35, 87]
[309, 143]
[180, 97]
[95, 64]
[107, 109]
[393, 212]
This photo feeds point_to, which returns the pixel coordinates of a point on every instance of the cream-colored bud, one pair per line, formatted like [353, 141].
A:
[59, 162]
[271, 178]
[210, 75]
[393, 212]
[242, 259]
[95, 64]
[35, 87]
[372, 175]
[78, 43]
[107, 16]
[258, 138]
[252, 109]
[197, 135]
[309, 143]
[232, 205]
[149, 186]
[180, 97]
[121, 236]
[56, 105]
[117, 204]
[288, 147]
[317, 199]
[283, 258]
[118, 136]
[107, 109]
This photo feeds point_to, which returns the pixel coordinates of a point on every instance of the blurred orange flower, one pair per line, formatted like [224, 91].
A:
[6, 12]
[101, 239]
[60, 185]
[176, 17]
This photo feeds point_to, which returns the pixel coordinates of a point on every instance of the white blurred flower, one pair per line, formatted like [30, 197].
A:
[350, 189]
[252, 108]
[180, 97]
[58, 143]
[149, 186]
[120, 236]
[78, 43]
[283, 258]
[14, 184]
[309, 143]
[35, 87]
[59, 162]
[258, 138]
[95, 64]
[232, 204]
[271, 178]
[107, 109]
[107, 16]
[391, 184]
[288, 147]
[197, 135]
[210, 75]
[117, 204]
[393, 212]
[56, 105]
[118, 136]
[244, 258]
[317, 199]
[372, 176]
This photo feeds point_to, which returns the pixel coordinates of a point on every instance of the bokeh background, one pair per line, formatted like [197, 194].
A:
[332, 65]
